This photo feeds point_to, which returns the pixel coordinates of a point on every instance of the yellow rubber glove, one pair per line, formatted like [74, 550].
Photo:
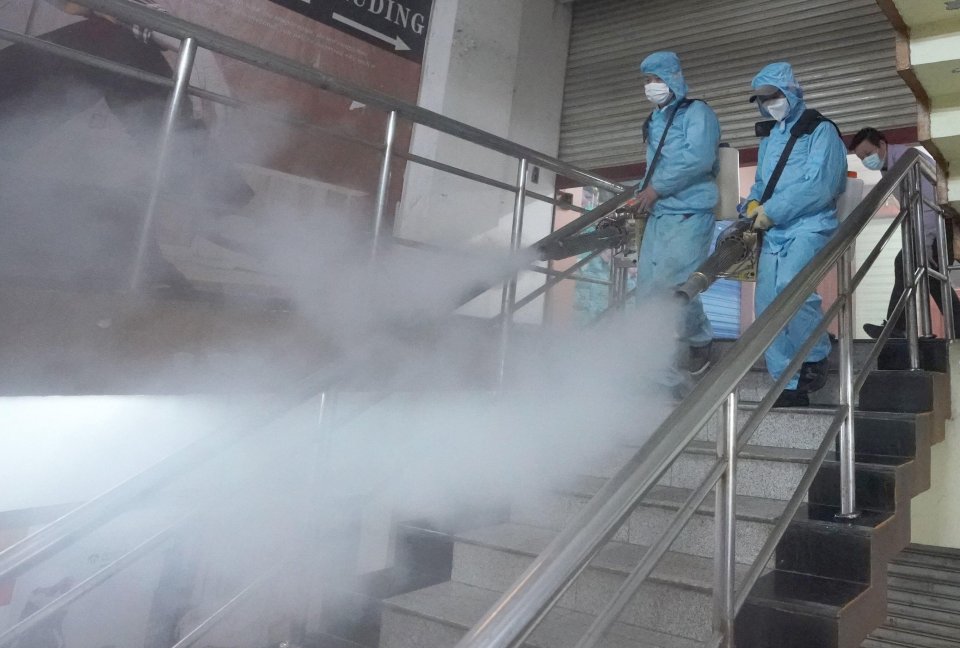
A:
[752, 208]
[760, 219]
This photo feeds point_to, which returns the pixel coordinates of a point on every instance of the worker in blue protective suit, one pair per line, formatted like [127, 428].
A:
[680, 193]
[798, 213]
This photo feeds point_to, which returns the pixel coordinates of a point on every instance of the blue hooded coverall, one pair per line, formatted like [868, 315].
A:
[803, 209]
[680, 227]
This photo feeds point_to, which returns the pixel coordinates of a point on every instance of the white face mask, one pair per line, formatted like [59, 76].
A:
[873, 161]
[657, 93]
[778, 108]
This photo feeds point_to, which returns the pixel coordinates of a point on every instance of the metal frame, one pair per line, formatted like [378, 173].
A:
[185, 60]
[266, 60]
[542, 585]
[538, 589]
[725, 516]
[383, 184]
[508, 297]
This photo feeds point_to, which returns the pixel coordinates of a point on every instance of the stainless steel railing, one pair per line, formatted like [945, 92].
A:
[43, 543]
[521, 608]
[194, 37]
[555, 570]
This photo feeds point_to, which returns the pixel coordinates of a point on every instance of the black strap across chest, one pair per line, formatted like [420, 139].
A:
[652, 165]
[807, 123]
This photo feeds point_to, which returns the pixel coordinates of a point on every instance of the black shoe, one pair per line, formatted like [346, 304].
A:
[698, 360]
[873, 330]
[813, 375]
[792, 398]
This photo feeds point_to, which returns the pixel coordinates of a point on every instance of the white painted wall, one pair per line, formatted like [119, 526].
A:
[498, 65]
[935, 514]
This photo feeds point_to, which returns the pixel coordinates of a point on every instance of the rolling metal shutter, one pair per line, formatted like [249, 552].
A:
[842, 51]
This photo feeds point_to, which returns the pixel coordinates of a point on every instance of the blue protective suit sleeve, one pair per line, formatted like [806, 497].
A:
[698, 151]
[823, 176]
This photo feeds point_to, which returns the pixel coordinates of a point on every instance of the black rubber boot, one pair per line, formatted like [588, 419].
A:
[813, 375]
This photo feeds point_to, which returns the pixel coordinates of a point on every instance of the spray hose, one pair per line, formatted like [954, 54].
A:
[732, 248]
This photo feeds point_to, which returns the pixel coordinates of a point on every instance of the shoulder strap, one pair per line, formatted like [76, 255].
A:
[764, 128]
[807, 123]
[652, 165]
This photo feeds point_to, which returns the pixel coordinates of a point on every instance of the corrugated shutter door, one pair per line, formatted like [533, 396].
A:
[721, 303]
[843, 53]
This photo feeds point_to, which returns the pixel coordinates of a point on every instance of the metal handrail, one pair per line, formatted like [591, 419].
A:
[522, 606]
[128, 71]
[633, 483]
[683, 514]
[80, 520]
[34, 548]
[239, 50]
[190, 35]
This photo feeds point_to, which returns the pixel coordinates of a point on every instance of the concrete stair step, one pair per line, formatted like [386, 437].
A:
[857, 550]
[676, 599]
[756, 516]
[795, 429]
[438, 616]
[756, 383]
[933, 355]
[926, 593]
[927, 621]
[882, 483]
[926, 573]
[894, 355]
[924, 600]
[861, 350]
[762, 471]
[884, 637]
[943, 563]
[790, 610]
[789, 427]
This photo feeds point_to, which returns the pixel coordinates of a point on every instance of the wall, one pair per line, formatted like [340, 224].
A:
[936, 513]
[497, 65]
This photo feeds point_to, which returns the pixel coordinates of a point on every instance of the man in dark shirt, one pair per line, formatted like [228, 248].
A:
[871, 146]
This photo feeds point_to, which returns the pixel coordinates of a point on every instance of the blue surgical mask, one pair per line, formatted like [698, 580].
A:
[873, 162]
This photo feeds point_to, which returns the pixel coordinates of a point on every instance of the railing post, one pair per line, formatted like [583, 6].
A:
[188, 52]
[508, 296]
[317, 484]
[920, 242]
[725, 527]
[909, 278]
[848, 490]
[383, 184]
[946, 289]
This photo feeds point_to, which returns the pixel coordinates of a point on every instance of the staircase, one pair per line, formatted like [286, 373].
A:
[826, 587]
[924, 600]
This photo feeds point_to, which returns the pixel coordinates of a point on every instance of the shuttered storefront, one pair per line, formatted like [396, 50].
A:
[842, 51]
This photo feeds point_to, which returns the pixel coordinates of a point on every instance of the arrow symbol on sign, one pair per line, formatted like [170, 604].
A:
[398, 44]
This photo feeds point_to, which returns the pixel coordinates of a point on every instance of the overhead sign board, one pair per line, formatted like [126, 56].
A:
[399, 26]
